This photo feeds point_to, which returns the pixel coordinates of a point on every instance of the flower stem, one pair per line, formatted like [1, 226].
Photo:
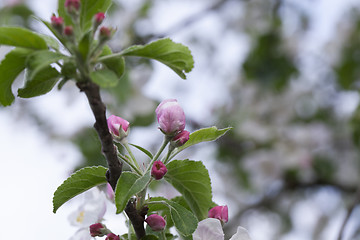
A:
[163, 235]
[126, 146]
[161, 149]
[125, 159]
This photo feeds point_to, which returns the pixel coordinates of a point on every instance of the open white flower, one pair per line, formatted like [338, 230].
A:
[91, 211]
[211, 229]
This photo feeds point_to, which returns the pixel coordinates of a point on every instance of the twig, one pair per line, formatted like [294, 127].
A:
[348, 214]
[137, 218]
[92, 92]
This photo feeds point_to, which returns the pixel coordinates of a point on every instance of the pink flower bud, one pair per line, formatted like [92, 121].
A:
[170, 116]
[98, 230]
[68, 31]
[72, 6]
[158, 170]
[180, 139]
[156, 222]
[57, 22]
[219, 212]
[99, 18]
[112, 236]
[118, 127]
[105, 33]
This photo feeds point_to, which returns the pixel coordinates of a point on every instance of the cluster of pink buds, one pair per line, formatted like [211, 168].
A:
[156, 222]
[72, 8]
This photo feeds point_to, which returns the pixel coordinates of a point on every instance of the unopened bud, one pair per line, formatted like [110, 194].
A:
[68, 31]
[219, 212]
[105, 33]
[99, 17]
[112, 236]
[118, 127]
[72, 6]
[180, 139]
[57, 22]
[158, 170]
[98, 230]
[171, 117]
[156, 222]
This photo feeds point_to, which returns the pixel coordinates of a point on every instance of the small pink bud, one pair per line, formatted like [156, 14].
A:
[112, 236]
[158, 170]
[180, 139]
[99, 18]
[171, 117]
[57, 22]
[72, 6]
[105, 33]
[156, 222]
[68, 31]
[118, 127]
[219, 212]
[98, 230]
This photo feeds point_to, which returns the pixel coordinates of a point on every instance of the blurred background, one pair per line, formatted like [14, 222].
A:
[283, 73]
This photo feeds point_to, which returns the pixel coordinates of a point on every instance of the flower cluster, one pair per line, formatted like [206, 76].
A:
[211, 228]
[171, 119]
[72, 8]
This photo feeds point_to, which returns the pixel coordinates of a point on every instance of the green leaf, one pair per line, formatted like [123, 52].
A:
[175, 55]
[84, 45]
[143, 150]
[21, 37]
[127, 186]
[185, 222]
[10, 67]
[115, 63]
[104, 78]
[40, 60]
[203, 135]
[39, 84]
[77, 183]
[89, 8]
[192, 180]
[50, 41]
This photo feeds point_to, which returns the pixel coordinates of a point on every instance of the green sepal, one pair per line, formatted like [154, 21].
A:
[79, 182]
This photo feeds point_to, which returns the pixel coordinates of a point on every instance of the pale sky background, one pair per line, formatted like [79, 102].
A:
[33, 166]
